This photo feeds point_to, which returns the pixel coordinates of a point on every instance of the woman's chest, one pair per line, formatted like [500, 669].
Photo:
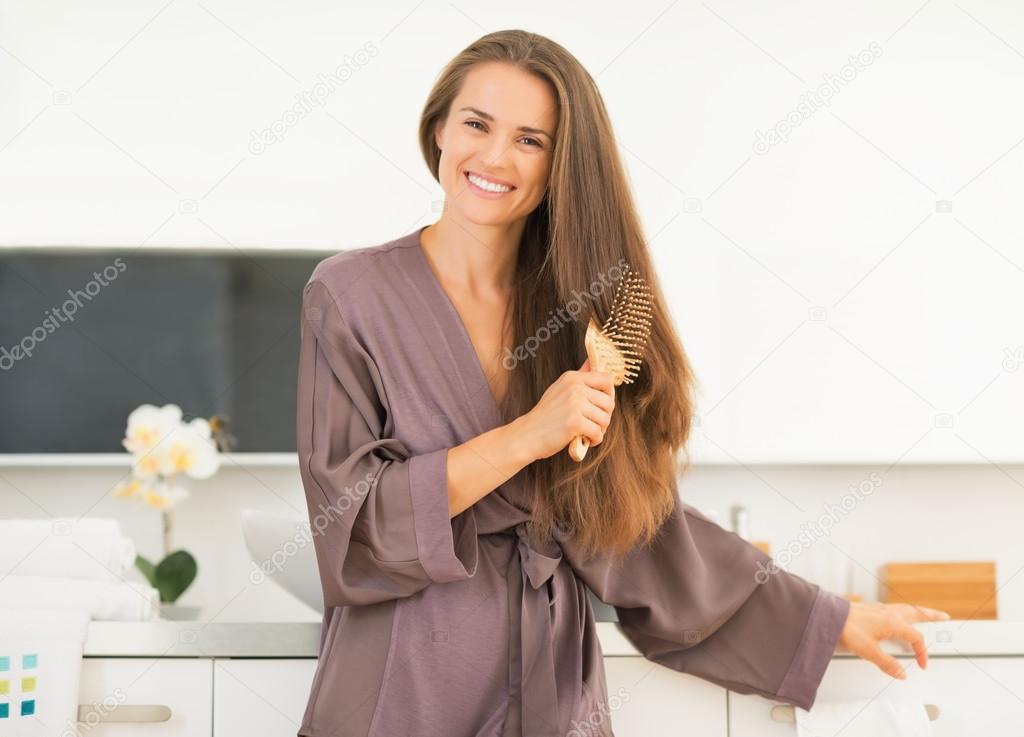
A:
[490, 345]
[438, 377]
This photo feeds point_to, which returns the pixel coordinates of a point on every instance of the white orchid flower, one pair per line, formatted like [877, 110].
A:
[189, 449]
[148, 425]
[163, 448]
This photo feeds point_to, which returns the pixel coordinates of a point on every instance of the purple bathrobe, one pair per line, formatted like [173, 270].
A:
[438, 627]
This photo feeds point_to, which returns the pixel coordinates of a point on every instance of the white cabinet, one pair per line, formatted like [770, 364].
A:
[174, 685]
[183, 685]
[267, 698]
[650, 700]
[260, 698]
[976, 695]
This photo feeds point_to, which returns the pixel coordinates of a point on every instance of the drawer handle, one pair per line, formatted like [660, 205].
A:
[125, 713]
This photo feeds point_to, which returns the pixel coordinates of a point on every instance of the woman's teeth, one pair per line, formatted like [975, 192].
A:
[486, 185]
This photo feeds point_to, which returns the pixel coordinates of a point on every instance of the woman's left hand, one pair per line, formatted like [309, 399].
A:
[870, 622]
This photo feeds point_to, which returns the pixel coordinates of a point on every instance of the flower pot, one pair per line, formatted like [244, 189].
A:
[180, 612]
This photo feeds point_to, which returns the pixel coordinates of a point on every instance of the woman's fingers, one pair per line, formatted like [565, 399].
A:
[891, 665]
[592, 431]
[916, 640]
[913, 636]
[870, 623]
[602, 400]
[596, 423]
[886, 662]
[927, 614]
[600, 386]
[599, 407]
[602, 380]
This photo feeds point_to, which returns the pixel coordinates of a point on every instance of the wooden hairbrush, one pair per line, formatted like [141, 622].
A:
[618, 347]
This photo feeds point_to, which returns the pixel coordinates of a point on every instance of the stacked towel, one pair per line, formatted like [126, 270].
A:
[65, 547]
[103, 600]
[72, 564]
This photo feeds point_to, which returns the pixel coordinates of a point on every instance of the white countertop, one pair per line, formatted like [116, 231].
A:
[176, 639]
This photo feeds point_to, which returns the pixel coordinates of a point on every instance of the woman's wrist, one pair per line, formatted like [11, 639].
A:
[518, 442]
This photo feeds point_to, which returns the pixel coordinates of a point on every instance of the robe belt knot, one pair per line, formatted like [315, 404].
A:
[537, 567]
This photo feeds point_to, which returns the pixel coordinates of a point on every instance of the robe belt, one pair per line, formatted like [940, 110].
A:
[538, 689]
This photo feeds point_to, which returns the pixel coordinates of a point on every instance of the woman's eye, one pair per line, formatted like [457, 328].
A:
[527, 138]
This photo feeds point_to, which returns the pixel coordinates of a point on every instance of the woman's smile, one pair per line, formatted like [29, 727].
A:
[486, 187]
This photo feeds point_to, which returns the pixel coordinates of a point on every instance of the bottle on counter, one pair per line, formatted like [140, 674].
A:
[740, 519]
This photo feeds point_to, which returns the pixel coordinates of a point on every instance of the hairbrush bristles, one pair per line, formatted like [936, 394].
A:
[618, 347]
[629, 325]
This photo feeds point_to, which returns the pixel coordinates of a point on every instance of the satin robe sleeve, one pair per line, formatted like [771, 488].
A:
[378, 513]
[704, 601]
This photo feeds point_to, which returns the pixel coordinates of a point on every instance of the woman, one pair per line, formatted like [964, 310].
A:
[455, 537]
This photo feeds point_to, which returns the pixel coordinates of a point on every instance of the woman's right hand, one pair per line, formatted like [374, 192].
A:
[577, 403]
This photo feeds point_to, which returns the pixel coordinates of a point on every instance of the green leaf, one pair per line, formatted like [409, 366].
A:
[147, 568]
[174, 574]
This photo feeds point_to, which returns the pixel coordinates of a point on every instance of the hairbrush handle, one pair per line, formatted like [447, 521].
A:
[578, 447]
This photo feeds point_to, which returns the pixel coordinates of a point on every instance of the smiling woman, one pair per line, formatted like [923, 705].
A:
[455, 541]
[495, 143]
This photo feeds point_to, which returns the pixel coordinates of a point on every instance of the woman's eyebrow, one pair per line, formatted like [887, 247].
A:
[523, 128]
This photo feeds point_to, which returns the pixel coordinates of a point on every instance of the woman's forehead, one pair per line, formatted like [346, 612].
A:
[509, 96]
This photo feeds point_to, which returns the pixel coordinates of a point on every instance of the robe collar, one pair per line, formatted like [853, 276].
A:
[477, 390]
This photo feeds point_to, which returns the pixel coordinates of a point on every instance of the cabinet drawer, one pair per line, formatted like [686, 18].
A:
[183, 685]
[975, 696]
[655, 701]
[260, 697]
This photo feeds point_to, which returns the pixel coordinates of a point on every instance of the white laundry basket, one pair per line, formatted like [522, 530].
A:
[40, 667]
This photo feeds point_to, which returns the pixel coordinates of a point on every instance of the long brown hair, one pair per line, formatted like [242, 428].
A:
[573, 243]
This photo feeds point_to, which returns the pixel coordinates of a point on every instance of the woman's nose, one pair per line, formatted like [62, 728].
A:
[497, 154]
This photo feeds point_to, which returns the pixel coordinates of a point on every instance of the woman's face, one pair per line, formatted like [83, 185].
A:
[484, 136]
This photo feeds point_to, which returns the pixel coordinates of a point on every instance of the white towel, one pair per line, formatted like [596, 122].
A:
[65, 547]
[864, 718]
[124, 601]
